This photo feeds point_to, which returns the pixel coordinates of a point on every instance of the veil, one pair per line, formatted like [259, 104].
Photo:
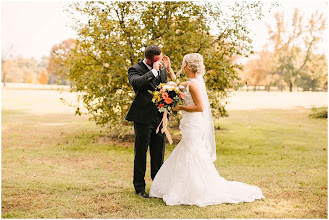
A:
[208, 136]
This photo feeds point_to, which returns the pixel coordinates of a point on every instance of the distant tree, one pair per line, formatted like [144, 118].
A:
[43, 63]
[27, 63]
[252, 75]
[43, 79]
[7, 55]
[14, 68]
[262, 71]
[10, 71]
[295, 42]
[27, 68]
[29, 77]
[4, 70]
[314, 75]
[58, 53]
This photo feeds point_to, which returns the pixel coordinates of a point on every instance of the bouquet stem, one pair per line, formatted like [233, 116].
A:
[164, 129]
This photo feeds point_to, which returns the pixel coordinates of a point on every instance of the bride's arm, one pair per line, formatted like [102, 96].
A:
[171, 74]
[167, 64]
[196, 96]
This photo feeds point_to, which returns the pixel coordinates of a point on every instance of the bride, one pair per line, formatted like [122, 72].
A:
[189, 176]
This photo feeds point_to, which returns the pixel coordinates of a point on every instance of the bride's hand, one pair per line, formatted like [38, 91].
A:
[166, 62]
[177, 108]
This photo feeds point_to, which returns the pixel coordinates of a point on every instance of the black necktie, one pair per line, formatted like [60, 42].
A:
[158, 76]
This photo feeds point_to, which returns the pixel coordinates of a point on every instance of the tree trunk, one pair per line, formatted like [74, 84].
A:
[290, 86]
[313, 84]
[4, 80]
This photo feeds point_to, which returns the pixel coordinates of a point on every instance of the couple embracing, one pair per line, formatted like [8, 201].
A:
[188, 176]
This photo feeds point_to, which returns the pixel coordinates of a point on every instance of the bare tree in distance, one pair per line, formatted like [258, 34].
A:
[295, 41]
[6, 54]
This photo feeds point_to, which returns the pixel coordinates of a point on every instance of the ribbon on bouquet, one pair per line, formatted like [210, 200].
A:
[164, 129]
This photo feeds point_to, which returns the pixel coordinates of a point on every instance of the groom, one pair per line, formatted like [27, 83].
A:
[143, 76]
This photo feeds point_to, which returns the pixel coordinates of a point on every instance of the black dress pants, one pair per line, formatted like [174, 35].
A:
[145, 136]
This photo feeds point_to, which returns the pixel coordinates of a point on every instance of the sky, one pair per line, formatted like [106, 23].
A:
[33, 27]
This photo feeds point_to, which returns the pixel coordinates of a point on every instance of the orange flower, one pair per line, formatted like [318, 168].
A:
[168, 100]
[160, 106]
[165, 95]
[181, 95]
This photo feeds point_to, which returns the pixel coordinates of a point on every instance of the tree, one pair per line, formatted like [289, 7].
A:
[315, 73]
[59, 52]
[7, 56]
[29, 77]
[43, 79]
[262, 71]
[116, 33]
[252, 74]
[295, 42]
[10, 71]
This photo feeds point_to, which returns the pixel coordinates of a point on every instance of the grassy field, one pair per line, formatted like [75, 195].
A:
[58, 166]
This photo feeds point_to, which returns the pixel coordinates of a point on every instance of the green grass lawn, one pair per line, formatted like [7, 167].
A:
[55, 166]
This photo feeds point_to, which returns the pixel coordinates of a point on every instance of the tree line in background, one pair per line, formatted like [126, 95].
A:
[17, 69]
[293, 62]
[20, 69]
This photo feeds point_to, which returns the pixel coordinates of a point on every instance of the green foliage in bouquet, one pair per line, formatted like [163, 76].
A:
[111, 37]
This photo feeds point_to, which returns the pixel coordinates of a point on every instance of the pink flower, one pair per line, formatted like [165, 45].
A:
[181, 95]
[165, 95]
[172, 84]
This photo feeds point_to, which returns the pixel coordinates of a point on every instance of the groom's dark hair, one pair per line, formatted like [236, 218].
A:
[151, 51]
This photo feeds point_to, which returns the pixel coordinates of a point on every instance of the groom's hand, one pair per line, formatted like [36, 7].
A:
[157, 65]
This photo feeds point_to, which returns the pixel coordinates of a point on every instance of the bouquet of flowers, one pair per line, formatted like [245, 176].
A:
[166, 97]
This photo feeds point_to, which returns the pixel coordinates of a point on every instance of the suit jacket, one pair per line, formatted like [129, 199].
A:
[142, 109]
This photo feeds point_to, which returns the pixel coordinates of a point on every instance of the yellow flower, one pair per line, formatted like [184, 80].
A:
[156, 93]
[156, 96]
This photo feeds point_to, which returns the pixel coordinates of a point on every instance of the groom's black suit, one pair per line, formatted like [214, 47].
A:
[146, 118]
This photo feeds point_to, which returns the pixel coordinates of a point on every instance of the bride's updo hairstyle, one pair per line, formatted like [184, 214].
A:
[194, 62]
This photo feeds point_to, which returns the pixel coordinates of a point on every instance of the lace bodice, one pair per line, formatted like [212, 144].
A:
[188, 100]
[190, 120]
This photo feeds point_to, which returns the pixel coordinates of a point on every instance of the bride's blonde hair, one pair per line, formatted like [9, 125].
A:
[194, 62]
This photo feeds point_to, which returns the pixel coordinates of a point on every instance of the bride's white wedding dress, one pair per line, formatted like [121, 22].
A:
[189, 176]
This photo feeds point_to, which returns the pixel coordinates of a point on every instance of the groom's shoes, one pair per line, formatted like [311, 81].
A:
[143, 194]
